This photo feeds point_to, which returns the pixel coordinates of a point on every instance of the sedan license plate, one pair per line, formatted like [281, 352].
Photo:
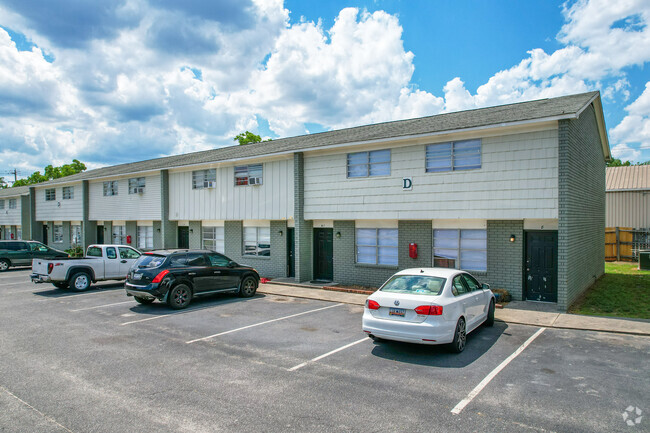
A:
[137, 276]
[396, 312]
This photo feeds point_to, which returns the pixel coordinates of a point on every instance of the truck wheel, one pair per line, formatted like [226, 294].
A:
[179, 296]
[63, 285]
[248, 287]
[80, 281]
[4, 265]
[143, 301]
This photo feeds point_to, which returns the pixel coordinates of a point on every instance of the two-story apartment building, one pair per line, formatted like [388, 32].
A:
[515, 194]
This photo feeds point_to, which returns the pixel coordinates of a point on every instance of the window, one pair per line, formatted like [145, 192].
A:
[204, 178]
[119, 235]
[110, 188]
[136, 185]
[12, 203]
[455, 155]
[248, 174]
[415, 285]
[94, 252]
[179, 260]
[461, 249]
[37, 246]
[19, 233]
[68, 192]
[213, 239]
[257, 241]
[196, 259]
[457, 286]
[75, 234]
[365, 164]
[58, 233]
[218, 260]
[2, 204]
[110, 253]
[377, 246]
[128, 253]
[50, 194]
[471, 283]
[145, 237]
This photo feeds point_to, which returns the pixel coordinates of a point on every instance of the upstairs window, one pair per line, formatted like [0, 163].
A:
[2, 204]
[12, 203]
[248, 174]
[136, 185]
[377, 246]
[110, 188]
[257, 241]
[453, 156]
[50, 194]
[204, 179]
[68, 192]
[367, 164]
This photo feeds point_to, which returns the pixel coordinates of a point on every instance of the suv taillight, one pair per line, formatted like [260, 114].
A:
[429, 310]
[158, 278]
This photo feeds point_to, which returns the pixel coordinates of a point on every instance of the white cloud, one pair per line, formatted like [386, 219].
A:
[625, 153]
[635, 126]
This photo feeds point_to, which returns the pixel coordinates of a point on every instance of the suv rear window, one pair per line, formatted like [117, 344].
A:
[415, 285]
[149, 261]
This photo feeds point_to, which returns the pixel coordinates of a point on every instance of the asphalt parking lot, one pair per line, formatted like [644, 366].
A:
[99, 362]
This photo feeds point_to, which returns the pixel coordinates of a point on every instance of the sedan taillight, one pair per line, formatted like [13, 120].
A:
[372, 305]
[429, 310]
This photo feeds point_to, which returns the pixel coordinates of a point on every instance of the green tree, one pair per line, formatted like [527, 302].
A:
[3, 183]
[248, 137]
[52, 172]
[618, 163]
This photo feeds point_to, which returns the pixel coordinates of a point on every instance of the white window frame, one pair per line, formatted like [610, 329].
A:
[457, 151]
[253, 241]
[145, 237]
[118, 235]
[213, 238]
[379, 246]
[50, 194]
[70, 193]
[12, 203]
[137, 185]
[459, 249]
[75, 234]
[364, 160]
[19, 232]
[110, 188]
[251, 174]
[200, 177]
[57, 234]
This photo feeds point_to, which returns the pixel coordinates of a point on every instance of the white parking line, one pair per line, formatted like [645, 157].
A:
[318, 358]
[261, 323]
[162, 316]
[47, 417]
[102, 306]
[467, 400]
[74, 296]
[10, 284]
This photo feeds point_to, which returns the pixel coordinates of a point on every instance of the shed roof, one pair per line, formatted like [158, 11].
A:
[630, 178]
[564, 107]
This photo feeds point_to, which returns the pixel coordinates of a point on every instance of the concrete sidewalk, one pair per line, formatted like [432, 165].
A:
[509, 315]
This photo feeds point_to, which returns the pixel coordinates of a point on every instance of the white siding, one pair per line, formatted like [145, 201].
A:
[273, 200]
[59, 209]
[10, 217]
[125, 206]
[518, 179]
[628, 209]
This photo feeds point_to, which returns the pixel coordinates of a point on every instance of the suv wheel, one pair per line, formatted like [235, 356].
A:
[4, 265]
[248, 287]
[179, 296]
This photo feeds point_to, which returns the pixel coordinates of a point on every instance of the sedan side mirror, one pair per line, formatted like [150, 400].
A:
[485, 286]
[231, 264]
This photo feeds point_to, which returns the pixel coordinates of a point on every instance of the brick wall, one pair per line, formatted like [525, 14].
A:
[36, 229]
[196, 237]
[108, 232]
[273, 266]
[504, 258]
[303, 230]
[132, 230]
[168, 229]
[581, 207]
[157, 236]
[25, 216]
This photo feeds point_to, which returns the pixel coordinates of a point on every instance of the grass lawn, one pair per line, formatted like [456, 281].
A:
[623, 291]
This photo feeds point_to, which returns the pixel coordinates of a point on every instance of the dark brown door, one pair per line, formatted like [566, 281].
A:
[291, 251]
[323, 254]
[541, 266]
[45, 234]
[100, 234]
[183, 237]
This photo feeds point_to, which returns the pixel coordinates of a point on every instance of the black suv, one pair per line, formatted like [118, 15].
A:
[176, 276]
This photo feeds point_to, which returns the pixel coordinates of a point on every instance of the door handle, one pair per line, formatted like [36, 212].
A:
[123, 261]
[191, 273]
[216, 272]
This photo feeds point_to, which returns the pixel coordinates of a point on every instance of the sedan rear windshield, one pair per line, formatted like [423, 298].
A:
[149, 261]
[415, 285]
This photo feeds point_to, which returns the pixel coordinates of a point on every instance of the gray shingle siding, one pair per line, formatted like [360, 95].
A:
[581, 207]
[504, 258]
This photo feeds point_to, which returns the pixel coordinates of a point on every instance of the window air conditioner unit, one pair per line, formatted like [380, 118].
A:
[255, 181]
[209, 184]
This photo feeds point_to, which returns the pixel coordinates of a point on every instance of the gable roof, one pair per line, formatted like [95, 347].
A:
[630, 178]
[564, 107]
[14, 192]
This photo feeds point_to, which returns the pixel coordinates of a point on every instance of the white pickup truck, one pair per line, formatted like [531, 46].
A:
[102, 262]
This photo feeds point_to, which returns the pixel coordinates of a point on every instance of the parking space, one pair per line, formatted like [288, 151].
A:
[98, 361]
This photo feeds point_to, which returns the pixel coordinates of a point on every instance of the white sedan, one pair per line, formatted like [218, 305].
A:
[429, 306]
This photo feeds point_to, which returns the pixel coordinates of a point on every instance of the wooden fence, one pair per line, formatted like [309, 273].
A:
[624, 243]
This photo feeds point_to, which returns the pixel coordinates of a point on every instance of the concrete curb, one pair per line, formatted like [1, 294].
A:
[508, 315]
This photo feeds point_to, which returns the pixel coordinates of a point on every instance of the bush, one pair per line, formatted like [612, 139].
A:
[76, 251]
[502, 295]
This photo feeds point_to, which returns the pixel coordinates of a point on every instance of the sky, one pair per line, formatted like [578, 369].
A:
[115, 81]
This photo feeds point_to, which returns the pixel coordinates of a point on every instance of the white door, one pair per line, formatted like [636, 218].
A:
[111, 263]
[478, 300]
[464, 298]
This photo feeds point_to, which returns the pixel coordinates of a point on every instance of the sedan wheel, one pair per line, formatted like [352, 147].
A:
[460, 336]
[248, 287]
[489, 321]
[179, 297]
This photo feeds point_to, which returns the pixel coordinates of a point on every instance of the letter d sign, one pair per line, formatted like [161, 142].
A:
[407, 183]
